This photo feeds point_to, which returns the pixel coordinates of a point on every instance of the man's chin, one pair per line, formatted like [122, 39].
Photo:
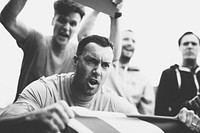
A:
[92, 87]
[127, 57]
[62, 41]
[190, 58]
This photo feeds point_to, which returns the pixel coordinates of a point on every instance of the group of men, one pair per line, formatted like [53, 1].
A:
[57, 74]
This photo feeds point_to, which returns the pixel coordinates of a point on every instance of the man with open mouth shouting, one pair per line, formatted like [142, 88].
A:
[44, 55]
[46, 101]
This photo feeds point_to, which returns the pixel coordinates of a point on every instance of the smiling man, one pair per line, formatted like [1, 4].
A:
[44, 55]
[128, 81]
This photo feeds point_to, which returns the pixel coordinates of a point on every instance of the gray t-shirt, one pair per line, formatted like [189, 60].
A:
[49, 90]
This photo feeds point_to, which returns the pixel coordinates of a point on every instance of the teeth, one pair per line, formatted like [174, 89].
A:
[92, 81]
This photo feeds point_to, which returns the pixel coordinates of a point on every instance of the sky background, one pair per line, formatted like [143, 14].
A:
[157, 25]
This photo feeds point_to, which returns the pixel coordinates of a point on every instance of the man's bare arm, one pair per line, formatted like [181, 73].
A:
[53, 118]
[8, 18]
[87, 25]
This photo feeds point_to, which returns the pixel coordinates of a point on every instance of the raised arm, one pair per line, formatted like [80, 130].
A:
[8, 18]
[115, 32]
[115, 37]
[87, 25]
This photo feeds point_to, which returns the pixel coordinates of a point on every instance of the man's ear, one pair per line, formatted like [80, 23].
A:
[75, 61]
[53, 20]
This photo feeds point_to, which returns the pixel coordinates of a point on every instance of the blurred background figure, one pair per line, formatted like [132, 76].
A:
[128, 81]
[180, 83]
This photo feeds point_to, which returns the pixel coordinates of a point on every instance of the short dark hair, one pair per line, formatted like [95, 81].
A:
[187, 33]
[65, 7]
[100, 40]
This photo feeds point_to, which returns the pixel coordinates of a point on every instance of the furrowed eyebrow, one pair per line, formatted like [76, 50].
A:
[93, 59]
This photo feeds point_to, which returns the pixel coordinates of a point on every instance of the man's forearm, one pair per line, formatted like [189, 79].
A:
[11, 11]
[14, 124]
[87, 25]
[115, 37]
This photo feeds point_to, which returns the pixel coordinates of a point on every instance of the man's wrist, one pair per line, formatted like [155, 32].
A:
[118, 15]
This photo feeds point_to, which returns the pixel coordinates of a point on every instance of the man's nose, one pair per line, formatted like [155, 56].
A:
[67, 26]
[190, 45]
[97, 70]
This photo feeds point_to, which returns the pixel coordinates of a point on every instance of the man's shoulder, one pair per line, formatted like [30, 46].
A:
[35, 39]
[107, 91]
[171, 68]
[54, 83]
[55, 77]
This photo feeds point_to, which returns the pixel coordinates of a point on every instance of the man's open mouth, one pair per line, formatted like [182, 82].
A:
[93, 83]
[63, 34]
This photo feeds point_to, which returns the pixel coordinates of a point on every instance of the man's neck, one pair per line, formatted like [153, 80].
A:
[124, 61]
[76, 93]
[58, 50]
[189, 64]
